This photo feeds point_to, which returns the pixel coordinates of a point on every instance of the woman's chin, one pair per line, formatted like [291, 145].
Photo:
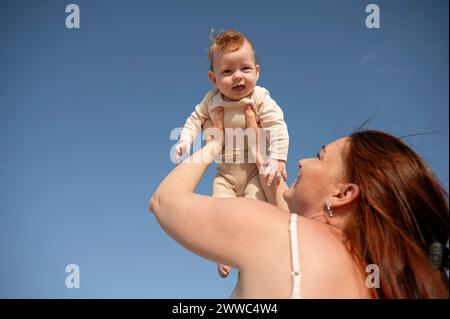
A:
[286, 196]
[294, 183]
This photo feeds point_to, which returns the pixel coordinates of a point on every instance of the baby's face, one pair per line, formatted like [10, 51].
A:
[235, 73]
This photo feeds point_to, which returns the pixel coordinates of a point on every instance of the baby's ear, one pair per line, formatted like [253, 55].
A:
[212, 77]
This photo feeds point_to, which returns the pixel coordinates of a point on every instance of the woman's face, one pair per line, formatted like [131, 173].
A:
[317, 180]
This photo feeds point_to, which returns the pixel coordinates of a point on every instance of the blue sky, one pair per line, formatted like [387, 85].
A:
[85, 118]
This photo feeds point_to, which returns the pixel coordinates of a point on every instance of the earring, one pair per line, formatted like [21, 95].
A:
[328, 205]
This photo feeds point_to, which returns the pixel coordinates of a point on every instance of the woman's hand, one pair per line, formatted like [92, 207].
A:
[271, 168]
[274, 193]
[250, 122]
[216, 133]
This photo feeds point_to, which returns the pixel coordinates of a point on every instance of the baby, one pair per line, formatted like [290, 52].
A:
[234, 72]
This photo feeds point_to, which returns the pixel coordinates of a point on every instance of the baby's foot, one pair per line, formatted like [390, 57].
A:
[223, 270]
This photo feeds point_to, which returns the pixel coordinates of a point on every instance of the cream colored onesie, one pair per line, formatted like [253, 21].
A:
[237, 177]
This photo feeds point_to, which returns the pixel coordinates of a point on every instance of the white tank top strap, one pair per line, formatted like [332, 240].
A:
[296, 274]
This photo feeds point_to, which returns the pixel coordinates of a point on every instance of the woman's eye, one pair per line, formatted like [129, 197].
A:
[318, 155]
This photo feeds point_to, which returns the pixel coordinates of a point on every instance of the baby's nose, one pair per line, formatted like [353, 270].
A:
[237, 75]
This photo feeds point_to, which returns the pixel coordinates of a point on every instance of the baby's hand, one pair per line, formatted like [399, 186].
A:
[274, 167]
[183, 146]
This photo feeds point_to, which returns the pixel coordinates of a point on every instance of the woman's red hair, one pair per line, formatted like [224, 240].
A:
[402, 209]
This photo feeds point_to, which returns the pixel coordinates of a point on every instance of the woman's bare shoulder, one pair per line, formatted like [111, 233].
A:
[323, 241]
[329, 269]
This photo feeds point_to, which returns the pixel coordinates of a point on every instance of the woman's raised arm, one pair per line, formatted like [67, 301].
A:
[219, 229]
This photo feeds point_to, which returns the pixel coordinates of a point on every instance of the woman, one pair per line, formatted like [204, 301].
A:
[366, 200]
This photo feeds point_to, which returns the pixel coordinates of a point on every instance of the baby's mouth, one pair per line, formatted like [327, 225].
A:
[239, 88]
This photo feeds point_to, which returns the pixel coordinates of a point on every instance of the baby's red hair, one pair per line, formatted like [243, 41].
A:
[229, 40]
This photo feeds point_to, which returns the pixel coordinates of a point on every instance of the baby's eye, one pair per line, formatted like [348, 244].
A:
[226, 71]
[247, 68]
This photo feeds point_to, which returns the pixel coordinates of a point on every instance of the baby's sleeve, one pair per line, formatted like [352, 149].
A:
[194, 122]
[271, 119]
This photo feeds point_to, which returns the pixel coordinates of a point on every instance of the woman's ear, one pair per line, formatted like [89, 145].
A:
[212, 77]
[346, 195]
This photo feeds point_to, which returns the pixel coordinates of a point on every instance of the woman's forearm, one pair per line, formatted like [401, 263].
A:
[185, 177]
[274, 193]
